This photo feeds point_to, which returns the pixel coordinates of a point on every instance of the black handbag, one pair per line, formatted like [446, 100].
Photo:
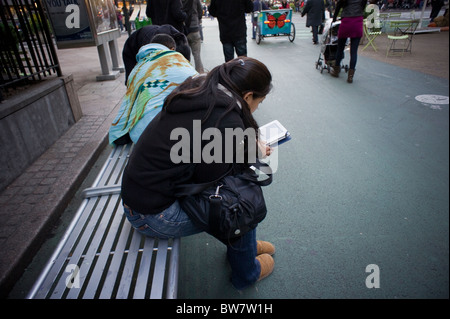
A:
[230, 206]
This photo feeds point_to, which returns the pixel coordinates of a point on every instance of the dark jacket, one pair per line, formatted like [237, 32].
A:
[231, 16]
[194, 11]
[150, 178]
[259, 5]
[166, 12]
[351, 8]
[144, 36]
[315, 10]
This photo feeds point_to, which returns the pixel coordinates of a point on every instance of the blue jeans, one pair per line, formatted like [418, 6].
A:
[174, 222]
[240, 46]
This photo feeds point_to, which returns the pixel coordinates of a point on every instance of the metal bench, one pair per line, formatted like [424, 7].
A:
[102, 256]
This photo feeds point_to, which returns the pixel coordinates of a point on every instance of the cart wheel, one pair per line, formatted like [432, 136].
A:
[291, 35]
[258, 35]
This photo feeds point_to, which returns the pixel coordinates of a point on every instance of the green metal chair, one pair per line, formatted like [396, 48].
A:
[401, 40]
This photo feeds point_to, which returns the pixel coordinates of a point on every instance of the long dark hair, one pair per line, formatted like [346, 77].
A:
[239, 76]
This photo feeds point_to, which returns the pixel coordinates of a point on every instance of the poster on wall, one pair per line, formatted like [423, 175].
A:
[70, 22]
[78, 23]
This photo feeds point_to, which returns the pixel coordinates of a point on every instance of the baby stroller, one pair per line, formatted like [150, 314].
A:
[328, 48]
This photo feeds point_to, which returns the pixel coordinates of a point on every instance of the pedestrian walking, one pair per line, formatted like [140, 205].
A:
[166, 12]
[351, 27]
[193, 9]
[284, 4]
[232, 25]
[315, 10]
[258, 5]
[119, 19]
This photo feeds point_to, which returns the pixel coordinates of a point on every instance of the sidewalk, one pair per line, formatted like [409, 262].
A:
[32, 203]
[429, 53]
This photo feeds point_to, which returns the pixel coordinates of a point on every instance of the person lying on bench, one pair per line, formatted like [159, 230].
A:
[144, 36]
[159, 70]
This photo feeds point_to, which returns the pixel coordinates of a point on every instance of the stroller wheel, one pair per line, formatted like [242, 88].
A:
[258, 35]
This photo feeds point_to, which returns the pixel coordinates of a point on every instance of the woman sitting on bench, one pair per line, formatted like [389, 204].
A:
[223, 99]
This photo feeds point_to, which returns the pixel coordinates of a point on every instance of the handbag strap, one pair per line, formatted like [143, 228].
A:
[215, 208]
[191, 189]
[262, 167]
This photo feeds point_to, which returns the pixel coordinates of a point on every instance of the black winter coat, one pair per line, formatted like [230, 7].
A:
[315, 10]
[151, 177]
[166, 12]
[231, 16]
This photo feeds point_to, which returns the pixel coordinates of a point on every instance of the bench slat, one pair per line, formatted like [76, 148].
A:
[144, 269]
[172, 276]
[57, 261]
[114, 166]
[99, 191]
[119, 254]
[95, 237]
[102, 259]
[128, 270]
[113, 259]
[83, 237]
[160, 270]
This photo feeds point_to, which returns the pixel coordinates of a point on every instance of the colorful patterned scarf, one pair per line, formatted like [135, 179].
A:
[157, 73]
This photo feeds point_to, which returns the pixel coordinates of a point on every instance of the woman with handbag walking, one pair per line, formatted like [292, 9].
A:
[204, 108]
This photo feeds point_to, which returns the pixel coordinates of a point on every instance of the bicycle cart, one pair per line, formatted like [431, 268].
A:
[274, 23]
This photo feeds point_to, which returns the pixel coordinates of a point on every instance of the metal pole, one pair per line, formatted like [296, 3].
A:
[423, 12]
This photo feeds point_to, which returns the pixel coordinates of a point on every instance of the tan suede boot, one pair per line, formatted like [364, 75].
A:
[351, 73]
[264, 247]
[267, 264]
[335, 70]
